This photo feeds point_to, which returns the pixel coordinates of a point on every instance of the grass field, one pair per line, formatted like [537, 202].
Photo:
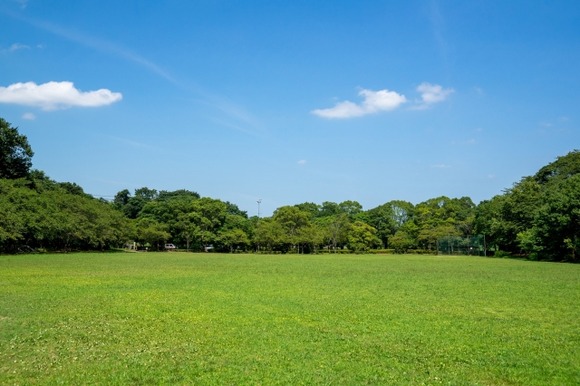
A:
[182, 318]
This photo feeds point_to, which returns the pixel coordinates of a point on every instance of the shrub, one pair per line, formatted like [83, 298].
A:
[502, 254]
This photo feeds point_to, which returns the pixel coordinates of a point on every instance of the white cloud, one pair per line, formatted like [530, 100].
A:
[374, 102]
[302, 162]
[440, 166]
[56, 95]
[15, 47]
[384, 100]
[29, 116]
[431, 94]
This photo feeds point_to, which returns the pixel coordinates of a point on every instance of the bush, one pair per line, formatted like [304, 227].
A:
[389, 251]
[502, 254]
[422, 251]
[334, 251]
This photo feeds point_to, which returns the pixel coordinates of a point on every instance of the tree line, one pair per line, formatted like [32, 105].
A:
[538, 217]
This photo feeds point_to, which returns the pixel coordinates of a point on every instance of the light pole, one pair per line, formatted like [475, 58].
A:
[259, 202]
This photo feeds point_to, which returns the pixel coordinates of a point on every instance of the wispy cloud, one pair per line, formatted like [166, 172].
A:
[555, 125]
[235, 111]
[56, 95]
[232, 115]
[132, 143]
[437, 21]
[440, 166]
[96, 44]
[21, 3]
[302, 162]
[29, 116]
[373, 102]
[14, 47]
[431, 94]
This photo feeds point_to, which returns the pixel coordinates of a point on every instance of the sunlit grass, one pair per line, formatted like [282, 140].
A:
[179, 318]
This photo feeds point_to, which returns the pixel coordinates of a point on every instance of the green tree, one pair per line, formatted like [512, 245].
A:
[13, 219]
[151, 233]
[15, 152]
[488, 222]
[121, 199]
[209, 216]
[350, 208]
[381, 218]
[429, 236]
[311, 208]
[234, 239]
[538, 216]
[402, 211]
[556, 227]
[335, 230]
[564, 167]
[443, 217]
[362, 237]
[73, 188]
[519, 207]
[293, 221]
[401, 242]
[234, 233]
[131, 206]
[181, 194]
[52, 217]
[269, 235]
[329, 209]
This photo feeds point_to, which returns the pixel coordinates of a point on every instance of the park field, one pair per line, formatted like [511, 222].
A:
[212, 319]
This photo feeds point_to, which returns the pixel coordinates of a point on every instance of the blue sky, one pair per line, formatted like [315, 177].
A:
[293, 101]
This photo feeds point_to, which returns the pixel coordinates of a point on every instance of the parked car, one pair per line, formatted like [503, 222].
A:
[170, 247]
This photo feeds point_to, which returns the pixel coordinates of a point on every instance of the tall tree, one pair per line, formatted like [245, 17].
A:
[381, 218]
[362, 237]
[335, 229]
[121, 199]
[540, 215]
[15, 152]
[564, 167]
[555, 234]
[293, 221]
[351, 208]
[269, 235]
[402, 212]
[310, 207]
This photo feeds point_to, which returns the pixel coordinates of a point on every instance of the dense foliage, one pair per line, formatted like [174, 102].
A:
[15, 152]
[539, 217]
[37, 213]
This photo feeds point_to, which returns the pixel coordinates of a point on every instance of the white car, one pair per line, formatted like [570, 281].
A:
[170, 246]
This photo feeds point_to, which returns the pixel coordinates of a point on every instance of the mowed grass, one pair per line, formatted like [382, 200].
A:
[183, 318]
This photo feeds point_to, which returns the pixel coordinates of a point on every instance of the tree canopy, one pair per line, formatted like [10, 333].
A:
[538, 217]
[15, 152]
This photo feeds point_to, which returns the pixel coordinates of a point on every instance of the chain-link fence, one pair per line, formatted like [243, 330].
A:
[455, 245]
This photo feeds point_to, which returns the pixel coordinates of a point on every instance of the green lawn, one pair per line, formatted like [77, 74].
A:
[183, 318]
